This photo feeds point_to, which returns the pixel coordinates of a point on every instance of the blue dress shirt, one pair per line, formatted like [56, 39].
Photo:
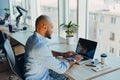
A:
[39, 59]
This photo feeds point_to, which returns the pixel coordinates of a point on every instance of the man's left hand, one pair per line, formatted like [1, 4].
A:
[68, 54]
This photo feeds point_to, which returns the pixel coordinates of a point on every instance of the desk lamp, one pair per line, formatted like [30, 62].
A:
[20, 14]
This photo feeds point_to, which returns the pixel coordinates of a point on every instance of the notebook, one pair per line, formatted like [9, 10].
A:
[85, 48]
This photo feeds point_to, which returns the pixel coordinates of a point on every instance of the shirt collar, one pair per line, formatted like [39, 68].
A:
[40, 37]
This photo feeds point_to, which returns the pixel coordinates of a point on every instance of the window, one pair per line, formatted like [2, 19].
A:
[73, 14]
[101, 19]
[14, 12]
[112, 36]
[111, 50]
[50, 8]
[95, 8]
[89, 14]
[73, 10]
[119, 41]
[100, 33]
[119, 52]
[113, 20]
[68, 12]
[94, 18]
[106, 11]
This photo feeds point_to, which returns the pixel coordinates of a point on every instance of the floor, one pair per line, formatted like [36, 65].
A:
[5, 70]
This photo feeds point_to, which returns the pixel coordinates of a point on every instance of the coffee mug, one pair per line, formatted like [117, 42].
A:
[10, 27]
[103, 58]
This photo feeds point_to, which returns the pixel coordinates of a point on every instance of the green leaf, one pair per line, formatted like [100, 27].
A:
[69, 27]
[62, 24]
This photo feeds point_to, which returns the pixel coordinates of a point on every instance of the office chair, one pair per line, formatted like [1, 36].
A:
[3, 36]
[2, 39]
[15, 62]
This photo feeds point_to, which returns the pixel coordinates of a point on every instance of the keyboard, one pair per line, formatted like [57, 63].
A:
[81, 62]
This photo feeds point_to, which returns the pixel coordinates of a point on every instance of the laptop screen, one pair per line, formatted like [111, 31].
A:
[86, 48]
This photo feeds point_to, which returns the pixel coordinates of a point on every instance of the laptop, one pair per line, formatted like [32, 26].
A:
[85, 48]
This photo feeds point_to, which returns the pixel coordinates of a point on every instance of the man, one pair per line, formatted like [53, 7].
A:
[40, 61]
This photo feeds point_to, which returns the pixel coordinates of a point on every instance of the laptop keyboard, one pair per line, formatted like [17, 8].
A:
[84, 60]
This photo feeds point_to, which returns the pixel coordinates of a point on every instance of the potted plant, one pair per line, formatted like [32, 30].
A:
[7, 13]
[6, 16]
[7, 10]
[69, 30]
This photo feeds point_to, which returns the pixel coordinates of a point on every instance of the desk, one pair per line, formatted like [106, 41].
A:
[22, 36]
[77, 72]
[82, 72]
[63, 47]
[110, 76]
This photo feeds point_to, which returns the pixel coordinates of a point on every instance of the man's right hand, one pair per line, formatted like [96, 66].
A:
[78, 58]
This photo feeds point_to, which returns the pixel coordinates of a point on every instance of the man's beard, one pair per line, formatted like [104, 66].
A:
[48, 35]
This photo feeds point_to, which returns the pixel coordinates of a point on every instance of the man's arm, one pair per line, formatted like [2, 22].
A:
[55, 53]
[64, 54]
[67, 54]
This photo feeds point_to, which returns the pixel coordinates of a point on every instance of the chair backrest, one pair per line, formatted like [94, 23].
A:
[12, 59]
[9, 53]
[2, 37]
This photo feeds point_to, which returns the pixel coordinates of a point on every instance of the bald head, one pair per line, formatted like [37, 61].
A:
[43, 19]
[44, 25]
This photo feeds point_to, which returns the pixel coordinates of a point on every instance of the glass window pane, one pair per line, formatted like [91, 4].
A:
[73, 15]
[104, 28]
[73, 10]
[50, 8]
[23, 7]
[69, 13]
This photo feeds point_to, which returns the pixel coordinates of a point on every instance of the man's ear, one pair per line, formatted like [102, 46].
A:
[44, 27]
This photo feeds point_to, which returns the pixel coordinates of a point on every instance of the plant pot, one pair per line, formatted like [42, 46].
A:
[69, 40]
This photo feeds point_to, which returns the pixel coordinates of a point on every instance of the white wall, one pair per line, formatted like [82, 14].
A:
[3, 4]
